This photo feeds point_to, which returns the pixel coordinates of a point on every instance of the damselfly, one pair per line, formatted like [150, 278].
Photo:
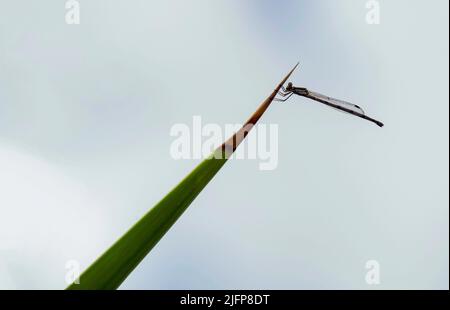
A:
[340, 105]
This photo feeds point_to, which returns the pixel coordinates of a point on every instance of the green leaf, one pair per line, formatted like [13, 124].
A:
[112, 268]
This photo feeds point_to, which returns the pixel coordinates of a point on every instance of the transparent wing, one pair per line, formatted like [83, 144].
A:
[337, 102]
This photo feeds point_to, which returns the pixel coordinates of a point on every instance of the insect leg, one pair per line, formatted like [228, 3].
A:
[284, 94]
[283, 100]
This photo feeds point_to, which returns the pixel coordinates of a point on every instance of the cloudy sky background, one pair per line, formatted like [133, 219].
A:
[86, 111]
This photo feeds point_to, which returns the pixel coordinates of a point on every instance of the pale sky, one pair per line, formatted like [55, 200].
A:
[85, 118]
